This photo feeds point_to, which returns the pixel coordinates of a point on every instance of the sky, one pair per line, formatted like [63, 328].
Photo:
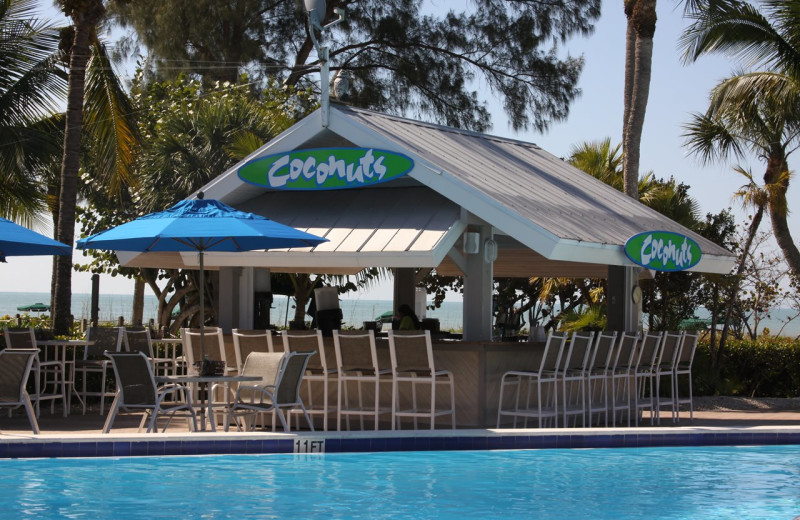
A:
[676, 91]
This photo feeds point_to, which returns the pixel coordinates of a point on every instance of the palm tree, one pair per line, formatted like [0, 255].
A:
[108, 118]
[769, 40]
[30, 88]
[641, 15]
[757, 113]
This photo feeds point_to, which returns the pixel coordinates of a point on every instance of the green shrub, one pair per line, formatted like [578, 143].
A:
[766, 367]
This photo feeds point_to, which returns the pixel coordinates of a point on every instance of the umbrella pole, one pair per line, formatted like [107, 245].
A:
[202, 309]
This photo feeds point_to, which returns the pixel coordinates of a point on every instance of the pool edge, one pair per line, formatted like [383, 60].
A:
[124, 445]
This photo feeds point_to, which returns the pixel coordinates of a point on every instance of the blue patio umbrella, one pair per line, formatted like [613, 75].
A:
[199, 225]
[16, 240]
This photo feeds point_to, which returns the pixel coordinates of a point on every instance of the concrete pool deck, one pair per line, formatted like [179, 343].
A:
[80, 436]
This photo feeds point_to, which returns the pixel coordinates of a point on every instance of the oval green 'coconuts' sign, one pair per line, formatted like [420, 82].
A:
[325, 169]
[663, 251]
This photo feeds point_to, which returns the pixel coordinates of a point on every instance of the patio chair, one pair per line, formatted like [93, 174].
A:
[247, 341]
[684, 368]
[598, 376]
[15, 367]
[139, 339]
[282, 376]
[544, 380]
[48, 372]
[357, 366]
[321, 371]
[137, 393]
[106, 339]
[411, 353]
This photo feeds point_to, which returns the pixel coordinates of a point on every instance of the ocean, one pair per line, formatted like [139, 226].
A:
[354, 311]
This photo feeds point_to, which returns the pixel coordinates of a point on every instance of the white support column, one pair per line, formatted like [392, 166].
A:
[478, 289]
[624, 311]
[228, 309]
[244, 320]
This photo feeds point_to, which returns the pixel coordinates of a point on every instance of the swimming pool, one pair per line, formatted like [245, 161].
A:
[671, 483]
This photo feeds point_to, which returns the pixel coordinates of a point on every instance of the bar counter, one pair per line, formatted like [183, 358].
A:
[477, 368]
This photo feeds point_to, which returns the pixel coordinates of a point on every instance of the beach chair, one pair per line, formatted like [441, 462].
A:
[15, 367]
[282, 376]
[137, 393]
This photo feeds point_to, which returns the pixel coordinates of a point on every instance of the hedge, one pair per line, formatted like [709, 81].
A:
[766, 367]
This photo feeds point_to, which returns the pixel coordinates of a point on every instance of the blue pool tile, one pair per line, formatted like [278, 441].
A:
[253, 446]
[351, 445]
[173, 448]
[140, 449]
[602, 441]
[422, 443]
[73, 449]
[52, 449]
[222, 447]
[156, 448]
[104, 449]
[122, 449]
[379, 444]
[394, 444]
[439, 443]
[408, 444]
[509, 442]
[563, 441]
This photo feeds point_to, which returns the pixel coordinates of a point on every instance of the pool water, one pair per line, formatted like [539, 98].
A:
[635, 483]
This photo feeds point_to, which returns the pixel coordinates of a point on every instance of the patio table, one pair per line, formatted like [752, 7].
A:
[60, 348]
[206, 398]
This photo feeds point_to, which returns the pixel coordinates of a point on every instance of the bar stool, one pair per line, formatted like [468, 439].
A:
[598, 376]
[623, 374]
[411, 353]
[247, 341]
[544, 380]
[573, 377]
[665, 367]
[357, 364]
[644, 375]
[106, 339]
[684, 368]
[319, 373]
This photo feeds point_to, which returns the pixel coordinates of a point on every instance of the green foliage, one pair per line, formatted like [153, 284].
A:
[766, 367]
[192, 132]
[31, 85]
[402, 56]
[589, 318]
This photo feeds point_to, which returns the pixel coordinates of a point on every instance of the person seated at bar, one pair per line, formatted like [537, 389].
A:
[408, 320]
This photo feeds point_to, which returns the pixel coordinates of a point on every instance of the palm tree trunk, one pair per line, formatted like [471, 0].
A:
[751, 233]
[630, 66]
[778, 210]
[643, 20]
[85, 17]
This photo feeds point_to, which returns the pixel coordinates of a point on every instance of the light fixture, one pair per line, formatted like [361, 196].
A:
[489, 250]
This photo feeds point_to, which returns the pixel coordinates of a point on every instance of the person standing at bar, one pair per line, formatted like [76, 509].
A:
[408, 320]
